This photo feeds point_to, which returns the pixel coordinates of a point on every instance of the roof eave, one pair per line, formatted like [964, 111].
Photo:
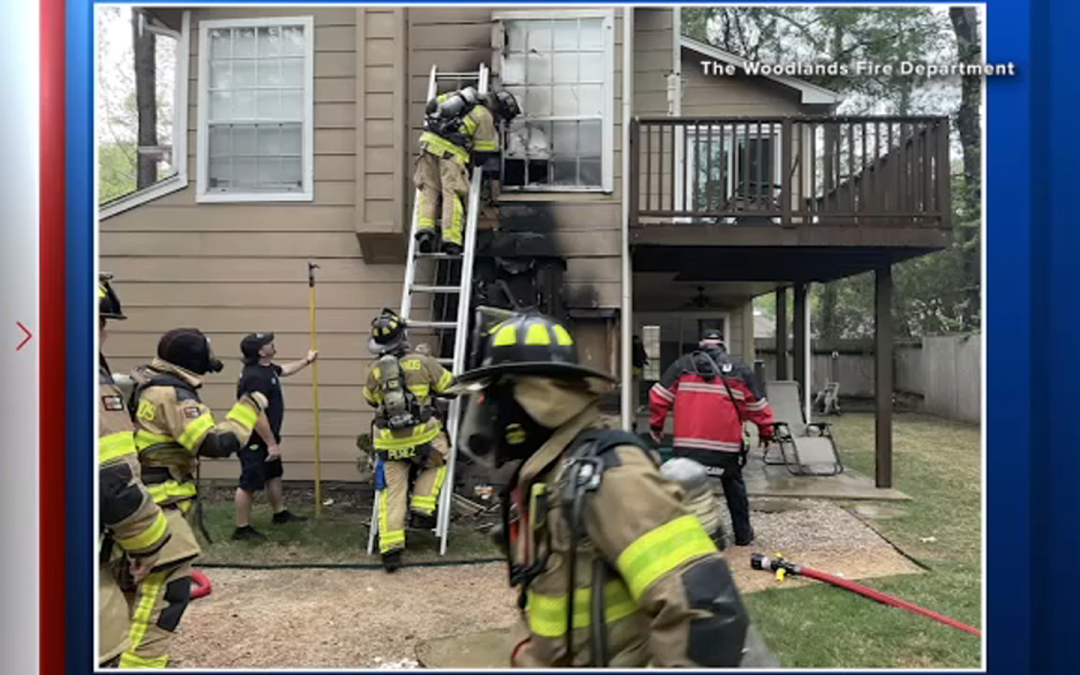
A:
[810, 94]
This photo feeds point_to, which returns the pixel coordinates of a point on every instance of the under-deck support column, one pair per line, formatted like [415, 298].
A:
[883, 376]
[799, 360]
[781, 334]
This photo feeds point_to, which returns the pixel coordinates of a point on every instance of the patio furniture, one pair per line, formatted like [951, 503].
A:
[806, 449]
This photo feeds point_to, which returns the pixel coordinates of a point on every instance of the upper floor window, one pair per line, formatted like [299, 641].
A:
[141, 98]
[256, 78]
[560, 66]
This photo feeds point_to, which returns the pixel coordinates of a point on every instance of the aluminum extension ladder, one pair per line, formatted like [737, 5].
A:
[463, 291]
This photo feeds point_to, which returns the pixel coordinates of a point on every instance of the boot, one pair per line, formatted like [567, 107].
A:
[450, 248]
[425, 241]
[422, 521]
[287, 516]
[247, 533]
[391, 561]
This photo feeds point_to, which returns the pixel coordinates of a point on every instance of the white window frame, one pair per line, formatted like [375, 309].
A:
[179, 180]
[607, 127]
[307, 134]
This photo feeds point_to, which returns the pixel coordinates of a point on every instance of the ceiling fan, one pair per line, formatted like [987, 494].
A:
[699, 301]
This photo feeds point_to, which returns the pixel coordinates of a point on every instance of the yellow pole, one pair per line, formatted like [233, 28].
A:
[315, 389]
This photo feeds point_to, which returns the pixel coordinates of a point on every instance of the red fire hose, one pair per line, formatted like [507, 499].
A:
[200, 585]
[761, 562]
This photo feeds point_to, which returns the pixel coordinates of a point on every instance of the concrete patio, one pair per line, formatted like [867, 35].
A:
[775, 481]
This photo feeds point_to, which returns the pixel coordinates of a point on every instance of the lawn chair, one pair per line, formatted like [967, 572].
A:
[806, 449]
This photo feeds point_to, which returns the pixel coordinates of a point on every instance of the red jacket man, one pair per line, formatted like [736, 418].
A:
[712, 394]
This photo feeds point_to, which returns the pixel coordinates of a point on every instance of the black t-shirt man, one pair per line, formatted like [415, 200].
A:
[266, 380]
[260, 462]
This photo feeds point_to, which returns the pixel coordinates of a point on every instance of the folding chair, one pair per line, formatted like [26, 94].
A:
[806, 448]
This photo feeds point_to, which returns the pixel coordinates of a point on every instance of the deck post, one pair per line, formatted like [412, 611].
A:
[883, 376]
[799, 356]
[781, 334]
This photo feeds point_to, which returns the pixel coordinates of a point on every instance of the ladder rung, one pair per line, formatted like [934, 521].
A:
[438, 256]
[433, 324]
[435, 289]
[445, 360]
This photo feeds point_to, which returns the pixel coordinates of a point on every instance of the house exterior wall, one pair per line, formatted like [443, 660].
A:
[234, 268]
[231, 269]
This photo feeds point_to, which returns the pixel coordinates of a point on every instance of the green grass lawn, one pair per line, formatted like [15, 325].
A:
[935, 461]
[938, 463]
[338, 536]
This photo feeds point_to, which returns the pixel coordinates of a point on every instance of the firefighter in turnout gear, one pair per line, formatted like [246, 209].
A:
[612, 570]
[132, 529]
[408, 435]
[173, 429]
[460, 130]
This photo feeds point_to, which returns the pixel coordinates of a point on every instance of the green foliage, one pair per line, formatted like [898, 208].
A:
[116, 170]
[932, 294]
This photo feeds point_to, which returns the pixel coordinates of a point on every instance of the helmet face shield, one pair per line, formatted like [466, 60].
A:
[477, 435]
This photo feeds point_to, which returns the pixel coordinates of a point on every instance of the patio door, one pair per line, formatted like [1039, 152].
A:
[733, 168]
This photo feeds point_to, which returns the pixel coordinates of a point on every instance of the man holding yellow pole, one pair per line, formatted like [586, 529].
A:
[260, 461]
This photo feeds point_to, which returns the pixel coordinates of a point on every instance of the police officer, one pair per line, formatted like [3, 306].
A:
[612, 569]
[408, 434]
[460, 129]
[132, 528]
[174, 428]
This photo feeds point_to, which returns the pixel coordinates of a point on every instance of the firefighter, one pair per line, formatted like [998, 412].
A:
[173, 429]
[460, 130]
[713, 394]
[612, 570]
[132, 528]
[408, 434]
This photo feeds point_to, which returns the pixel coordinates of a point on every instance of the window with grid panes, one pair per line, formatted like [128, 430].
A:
[256, 89]
[560, 71]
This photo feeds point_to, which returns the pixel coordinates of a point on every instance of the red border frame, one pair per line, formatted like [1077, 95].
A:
[51, 331]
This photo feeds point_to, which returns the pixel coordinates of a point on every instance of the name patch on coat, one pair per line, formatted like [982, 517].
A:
[192, 413]
[113, 402]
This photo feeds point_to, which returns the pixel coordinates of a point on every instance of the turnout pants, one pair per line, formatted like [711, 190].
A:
[113, 617]
[444, 177]
[394, 500]
[160, 600]
[734, 488]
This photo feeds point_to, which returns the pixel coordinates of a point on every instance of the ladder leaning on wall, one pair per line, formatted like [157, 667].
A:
[462, 290]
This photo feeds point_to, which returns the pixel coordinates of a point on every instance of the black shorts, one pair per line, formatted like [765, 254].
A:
[255, 470]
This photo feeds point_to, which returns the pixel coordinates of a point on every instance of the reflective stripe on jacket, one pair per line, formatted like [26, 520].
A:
[708, 412]
[670, 600]
[424, 377]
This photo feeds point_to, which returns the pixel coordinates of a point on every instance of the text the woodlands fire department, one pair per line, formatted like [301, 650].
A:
[711, 67]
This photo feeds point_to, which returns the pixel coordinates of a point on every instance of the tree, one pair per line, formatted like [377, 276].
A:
[145, 97]
[965, 22]
[933, 293]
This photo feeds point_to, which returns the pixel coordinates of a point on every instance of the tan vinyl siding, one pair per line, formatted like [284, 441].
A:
[588, 225]
[231, 269]
[734, 95]
[653, 43]
[383, 161]
[235, 268]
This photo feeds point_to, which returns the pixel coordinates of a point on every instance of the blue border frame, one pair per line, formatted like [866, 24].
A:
[1029, 350]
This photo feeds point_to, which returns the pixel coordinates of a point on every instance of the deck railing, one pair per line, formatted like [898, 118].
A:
[791, 171]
